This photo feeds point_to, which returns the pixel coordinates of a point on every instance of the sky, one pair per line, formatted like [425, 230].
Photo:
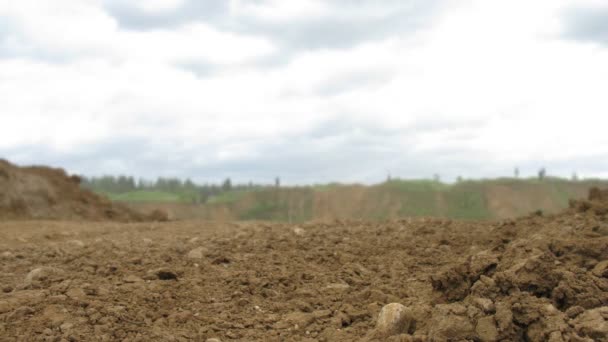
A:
[311, 91]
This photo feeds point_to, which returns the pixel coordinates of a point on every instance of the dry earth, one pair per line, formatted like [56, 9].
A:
[532, 279]
[39, 192]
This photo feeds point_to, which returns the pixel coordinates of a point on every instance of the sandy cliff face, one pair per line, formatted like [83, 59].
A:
[47, 193]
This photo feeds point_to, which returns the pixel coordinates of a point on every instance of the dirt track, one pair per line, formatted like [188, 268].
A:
[537, 278]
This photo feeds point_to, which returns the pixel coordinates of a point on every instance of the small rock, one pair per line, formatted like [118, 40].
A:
[5, 306]
[197, 253]
[57, 299]
[301, 319]
[394, 319]
[213, 340]
[76, 243]
[601, 269]
[337, 287]
[20, 312]
[41, 275]
[132, 279]
[76, 293]
[66, 326]
[7, 255]
[299, 231]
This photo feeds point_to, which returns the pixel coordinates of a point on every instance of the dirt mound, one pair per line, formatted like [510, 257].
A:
[538, 278]
[45, 193]
[597, 202]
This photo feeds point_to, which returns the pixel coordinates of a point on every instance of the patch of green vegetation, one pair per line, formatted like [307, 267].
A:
[414, 185]
[145, 196]
[326, 187]
[420, 204]
[226, 197]
[267, 211]
[466, 201]
[416, 197]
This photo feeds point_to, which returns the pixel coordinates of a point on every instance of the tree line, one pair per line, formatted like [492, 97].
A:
[123, 184]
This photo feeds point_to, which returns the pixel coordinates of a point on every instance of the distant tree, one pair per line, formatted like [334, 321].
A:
[174, 184]
[459, 179]
[574, 177]
[516, 172]
[227, 185]
[542, 173]
[388, 177]
[277, 182]
[189, 184]
[436, 178]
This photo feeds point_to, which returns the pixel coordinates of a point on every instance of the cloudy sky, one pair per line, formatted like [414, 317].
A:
[311, 90]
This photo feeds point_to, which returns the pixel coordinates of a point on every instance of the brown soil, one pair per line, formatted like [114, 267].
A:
[538, 278]
[45, 193]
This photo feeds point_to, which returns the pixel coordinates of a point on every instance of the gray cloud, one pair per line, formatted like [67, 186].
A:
[333, 151]
[336, 31]
[209, 11]
[344, 32]
[336, 150]
[200, 69]
[354, 80]
[587, 24]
